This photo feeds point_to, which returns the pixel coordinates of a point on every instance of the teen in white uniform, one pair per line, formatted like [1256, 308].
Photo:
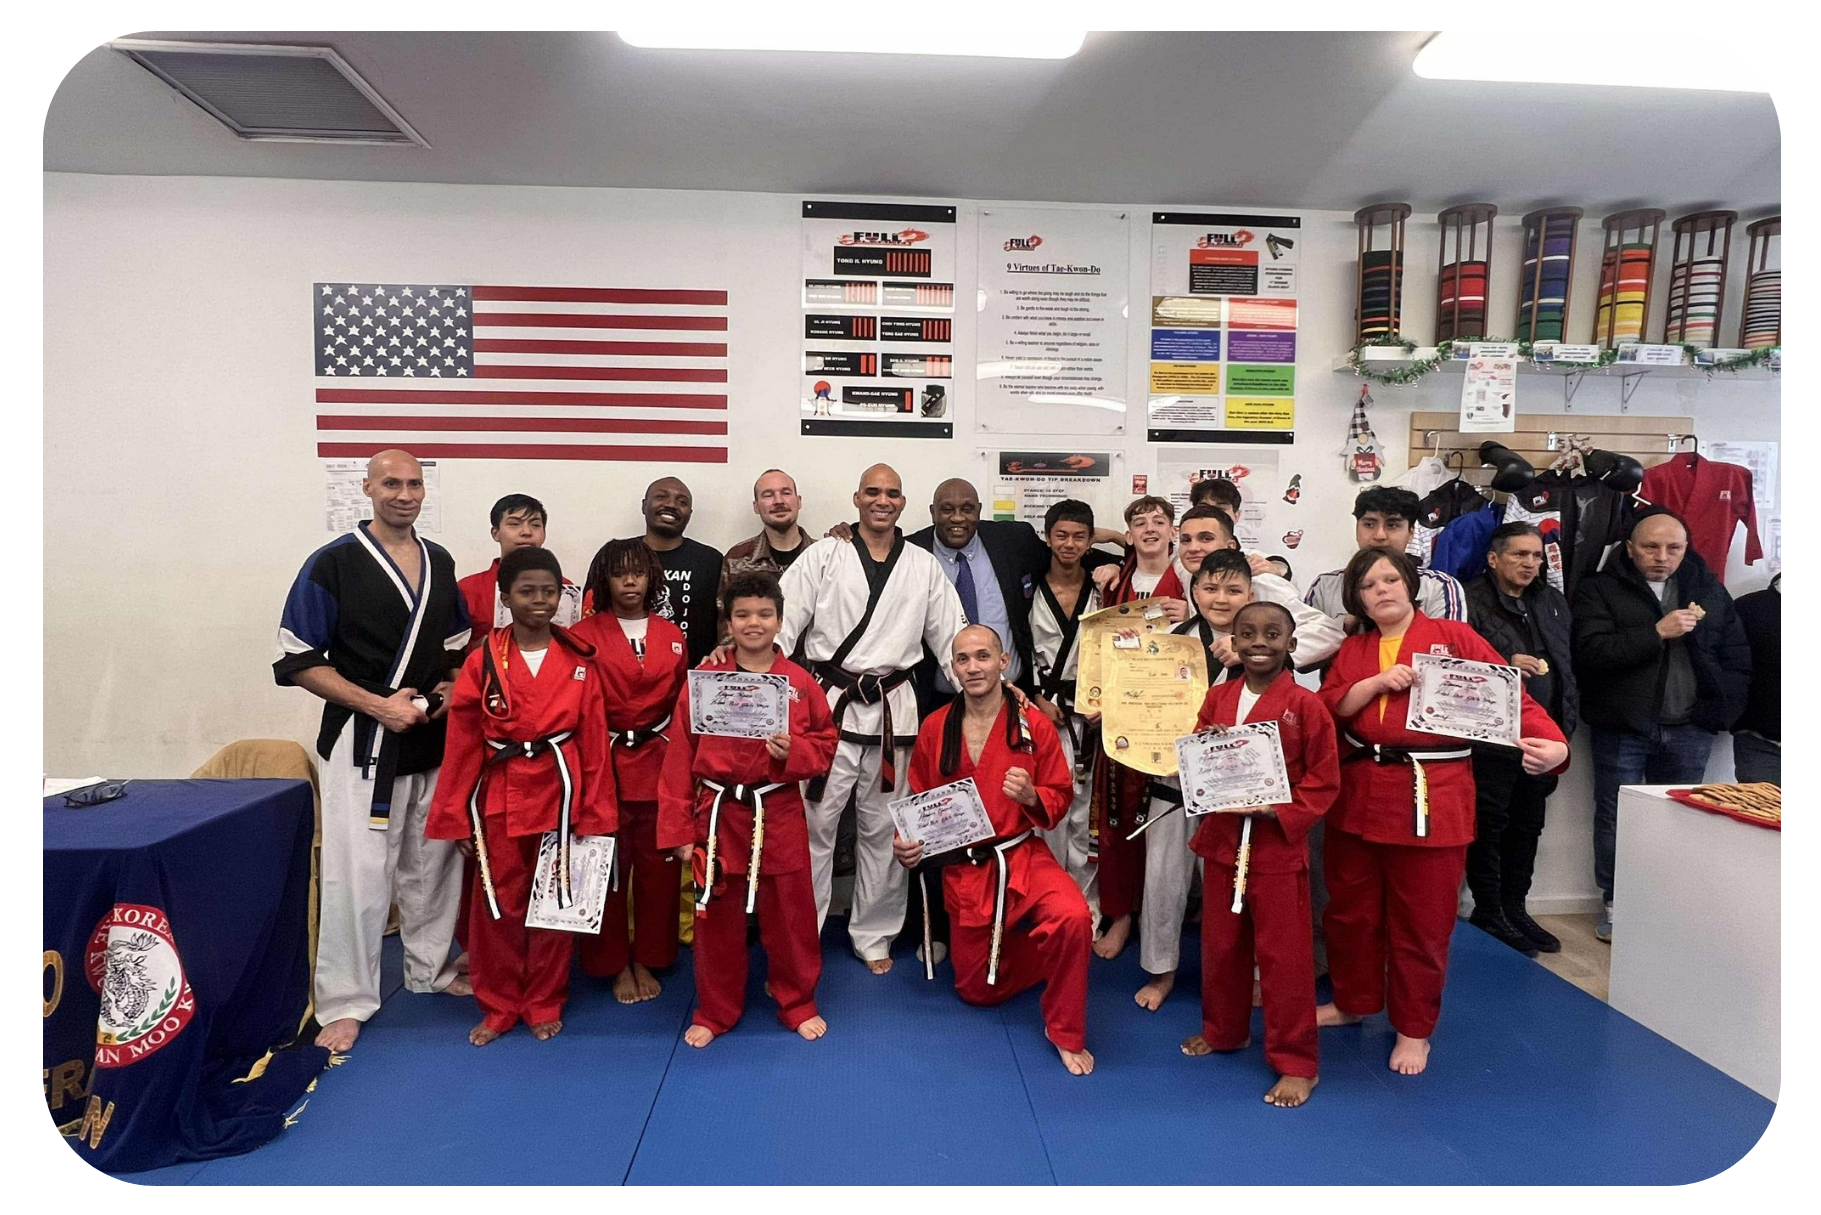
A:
[861, 645]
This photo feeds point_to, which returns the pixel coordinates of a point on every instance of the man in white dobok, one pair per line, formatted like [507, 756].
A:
[863, 609]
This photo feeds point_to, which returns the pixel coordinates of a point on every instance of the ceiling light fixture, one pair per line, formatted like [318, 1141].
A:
[995, 43]
[1641, 60]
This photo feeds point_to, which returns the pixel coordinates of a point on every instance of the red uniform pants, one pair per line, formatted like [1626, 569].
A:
[1273, 926]
[1053, 950]
[1391, 911]
[787, 930]
[1120, 862]
[519, 973]
[649, 877]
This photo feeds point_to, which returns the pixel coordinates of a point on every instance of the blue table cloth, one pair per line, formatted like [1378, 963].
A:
[175, 958]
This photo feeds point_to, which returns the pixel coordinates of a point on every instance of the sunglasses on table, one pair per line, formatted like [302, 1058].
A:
[94, 795]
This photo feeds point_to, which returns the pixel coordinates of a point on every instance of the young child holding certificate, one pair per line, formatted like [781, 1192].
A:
[527, 754]
[1017, 763]
[730, 807]
[1396, 841]
[1261, 860]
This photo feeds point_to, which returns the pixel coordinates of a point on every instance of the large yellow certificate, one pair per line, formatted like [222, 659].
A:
[1155, 685]
[1145, 615]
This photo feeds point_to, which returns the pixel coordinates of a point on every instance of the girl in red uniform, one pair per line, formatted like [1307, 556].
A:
[716, 783]
[1394, 871]
[527, 754]
[1271, 922]
[642, 660]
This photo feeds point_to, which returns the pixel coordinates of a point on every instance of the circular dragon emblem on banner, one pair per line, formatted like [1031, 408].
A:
[132, 964]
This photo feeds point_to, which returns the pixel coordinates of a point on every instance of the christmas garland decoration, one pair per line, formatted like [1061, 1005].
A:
[1404, 374]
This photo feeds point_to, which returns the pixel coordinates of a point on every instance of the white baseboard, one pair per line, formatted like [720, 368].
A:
[1564, 904]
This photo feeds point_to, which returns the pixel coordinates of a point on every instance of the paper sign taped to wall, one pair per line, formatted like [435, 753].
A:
[346, 505]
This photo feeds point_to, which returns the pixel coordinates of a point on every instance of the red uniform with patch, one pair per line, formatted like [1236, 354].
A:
[1119, 862]
[786, 893]
[522, 973]
[1392, 896]
[1048, 932]
[640, 693]
[1273, 924]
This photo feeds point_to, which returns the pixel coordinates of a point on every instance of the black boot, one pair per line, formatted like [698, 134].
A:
[1542, 938]
[1494, 925]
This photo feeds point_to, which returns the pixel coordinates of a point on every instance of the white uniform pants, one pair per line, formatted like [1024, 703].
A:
[363, 872]
[1169, 868]
[881, 884]
[1068, 840]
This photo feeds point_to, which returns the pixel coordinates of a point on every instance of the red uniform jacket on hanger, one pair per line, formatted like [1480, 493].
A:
[1712, 499]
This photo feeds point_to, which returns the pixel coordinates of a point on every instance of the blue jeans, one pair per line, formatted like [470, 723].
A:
[1669, 755]
[1755, 759]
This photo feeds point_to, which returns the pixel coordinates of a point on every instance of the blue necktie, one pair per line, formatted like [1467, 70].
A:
[964, 587]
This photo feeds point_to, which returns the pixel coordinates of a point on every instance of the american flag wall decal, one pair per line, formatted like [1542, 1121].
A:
[521, 373]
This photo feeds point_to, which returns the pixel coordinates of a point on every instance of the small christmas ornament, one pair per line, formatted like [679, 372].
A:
[1294, 492]
[1361, 449]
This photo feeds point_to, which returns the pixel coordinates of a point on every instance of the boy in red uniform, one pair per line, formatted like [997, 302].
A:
[1396, 841]
[518, 522]
[527, 754]
[1017, 761]
[744, 792]
[1273, 921]
[642, 660]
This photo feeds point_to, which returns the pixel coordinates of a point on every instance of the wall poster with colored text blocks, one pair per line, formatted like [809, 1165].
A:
[1223, 328]
[878, 320]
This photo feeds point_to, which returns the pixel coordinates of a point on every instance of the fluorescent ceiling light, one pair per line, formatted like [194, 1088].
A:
[1638, 59]
[997, 43]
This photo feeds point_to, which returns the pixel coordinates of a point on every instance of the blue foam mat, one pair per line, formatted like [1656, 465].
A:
[1532, 1082]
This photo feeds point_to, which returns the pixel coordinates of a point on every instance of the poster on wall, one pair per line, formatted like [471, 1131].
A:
[1254, 471]
[346, 505]
[1223, 328]
[878, 320]
[1050, 346]
[1027, 483]
[1760, 457]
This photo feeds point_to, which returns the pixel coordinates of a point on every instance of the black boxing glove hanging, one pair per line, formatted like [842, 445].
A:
[1512, 472]
[1620, 471]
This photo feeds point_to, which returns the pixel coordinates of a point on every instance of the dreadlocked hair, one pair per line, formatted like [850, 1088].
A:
[621, 557]
[1017, 733]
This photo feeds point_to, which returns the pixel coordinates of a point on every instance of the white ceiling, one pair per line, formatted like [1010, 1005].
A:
[1315, 120]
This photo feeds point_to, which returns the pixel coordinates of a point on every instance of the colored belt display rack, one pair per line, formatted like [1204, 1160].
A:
[1380, 281]
[1697, 277]
[1465, 267]
[1549, 246]
[1626, 263]
[1762, 325]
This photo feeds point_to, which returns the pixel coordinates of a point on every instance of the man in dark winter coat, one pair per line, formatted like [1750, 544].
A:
[1526, 620]
[1663, 665]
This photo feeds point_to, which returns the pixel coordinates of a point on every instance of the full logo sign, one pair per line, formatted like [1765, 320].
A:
[146, 1001]
[908, 236]
[1023, 244]
[1237, 239]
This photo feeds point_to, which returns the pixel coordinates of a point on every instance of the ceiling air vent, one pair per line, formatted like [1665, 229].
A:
[301, 94]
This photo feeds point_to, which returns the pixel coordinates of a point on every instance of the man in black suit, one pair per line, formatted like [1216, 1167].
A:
[994, 567]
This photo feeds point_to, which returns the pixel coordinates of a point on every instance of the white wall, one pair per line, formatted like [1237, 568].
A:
[182, 489]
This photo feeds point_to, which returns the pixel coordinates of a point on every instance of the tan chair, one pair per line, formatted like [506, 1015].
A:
[278, 758]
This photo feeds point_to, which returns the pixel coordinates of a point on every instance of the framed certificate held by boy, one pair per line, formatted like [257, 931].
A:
[1233, 770]
[1479, 701]
[738, 704]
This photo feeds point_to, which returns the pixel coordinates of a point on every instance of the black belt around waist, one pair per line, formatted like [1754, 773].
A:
[638, 736]
[866, 690]
[1416, 757]
[1154, 789]
[973, 854]
[505, 749]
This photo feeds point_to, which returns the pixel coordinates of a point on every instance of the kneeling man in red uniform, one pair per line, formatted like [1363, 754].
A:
[731, 808]
[1016, 917]
[527, 754]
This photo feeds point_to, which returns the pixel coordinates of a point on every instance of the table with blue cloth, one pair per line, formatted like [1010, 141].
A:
[176, 962]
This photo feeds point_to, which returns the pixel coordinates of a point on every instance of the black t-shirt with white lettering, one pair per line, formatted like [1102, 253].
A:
[692, 583]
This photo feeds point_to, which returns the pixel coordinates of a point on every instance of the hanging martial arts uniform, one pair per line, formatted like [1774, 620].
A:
[1169, 865]
[1272, 926]
[716, 784]
[352, 609]
[861, 626]
[641, 678]
[1011, 886]
[488, 611]
[1120, 801]
[527, 754]
[1056, 653]
[1393, 892]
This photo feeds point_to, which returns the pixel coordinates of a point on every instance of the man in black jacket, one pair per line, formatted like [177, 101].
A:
[1663, 665]
[1526, 620]
[1757, 737]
